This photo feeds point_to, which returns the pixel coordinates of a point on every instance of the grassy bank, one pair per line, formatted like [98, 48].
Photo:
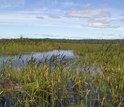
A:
[20, 46]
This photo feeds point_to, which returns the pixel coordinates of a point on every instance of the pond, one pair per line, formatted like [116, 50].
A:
[20, 60]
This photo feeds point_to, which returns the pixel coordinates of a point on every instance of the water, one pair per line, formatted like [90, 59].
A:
[20, 60]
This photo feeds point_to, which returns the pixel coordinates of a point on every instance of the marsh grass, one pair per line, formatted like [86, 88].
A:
[65, 85]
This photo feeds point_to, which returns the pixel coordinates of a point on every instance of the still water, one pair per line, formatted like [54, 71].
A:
[69, 54]
[20, 60]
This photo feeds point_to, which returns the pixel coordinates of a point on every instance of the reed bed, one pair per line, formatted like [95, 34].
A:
[94, 80]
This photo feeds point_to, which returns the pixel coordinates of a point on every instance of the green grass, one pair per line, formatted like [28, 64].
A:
[44, 86]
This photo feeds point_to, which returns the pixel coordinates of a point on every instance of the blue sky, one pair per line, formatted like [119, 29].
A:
[68, 19]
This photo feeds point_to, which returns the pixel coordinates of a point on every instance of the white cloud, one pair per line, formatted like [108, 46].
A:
[41, 11]
[69, 4]
[87, 14]
[88, 5]
[46, 16]
[103, 20]
[121, 28]
[112, 36]
[17, 18]
[11, 3]
[122, 14]
[99, 25]
[54, 17]
[39, 17]
[122, 20]
[36, 18]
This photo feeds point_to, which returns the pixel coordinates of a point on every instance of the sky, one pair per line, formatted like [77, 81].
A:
[62, 19]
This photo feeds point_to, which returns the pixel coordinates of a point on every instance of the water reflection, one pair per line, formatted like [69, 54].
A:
[21, 60]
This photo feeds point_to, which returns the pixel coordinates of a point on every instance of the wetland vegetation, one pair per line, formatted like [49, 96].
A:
[96, 79]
